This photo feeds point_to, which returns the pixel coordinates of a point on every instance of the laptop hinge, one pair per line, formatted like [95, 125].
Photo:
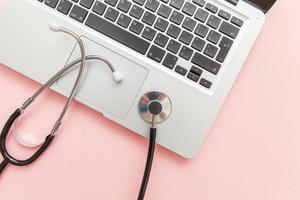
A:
[234, 2]
[263, 5]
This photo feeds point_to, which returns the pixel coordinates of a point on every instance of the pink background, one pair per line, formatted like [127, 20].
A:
[252, 152]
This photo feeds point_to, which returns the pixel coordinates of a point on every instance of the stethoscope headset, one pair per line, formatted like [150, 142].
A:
[154, 107]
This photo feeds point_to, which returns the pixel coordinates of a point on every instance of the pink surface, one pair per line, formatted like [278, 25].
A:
[252, 152]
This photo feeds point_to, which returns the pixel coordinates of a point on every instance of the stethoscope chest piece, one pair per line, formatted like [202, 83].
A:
[155, 103]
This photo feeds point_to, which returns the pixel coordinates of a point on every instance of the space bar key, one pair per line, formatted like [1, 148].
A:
[103, 26]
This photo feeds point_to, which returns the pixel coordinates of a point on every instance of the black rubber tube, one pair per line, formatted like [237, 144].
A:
[150, 156]
[10, 159]
[3, 165]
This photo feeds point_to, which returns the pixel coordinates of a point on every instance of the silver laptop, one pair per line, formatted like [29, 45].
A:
[190, 50]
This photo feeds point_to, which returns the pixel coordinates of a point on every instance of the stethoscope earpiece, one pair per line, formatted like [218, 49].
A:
[117, 76]
[54, 27]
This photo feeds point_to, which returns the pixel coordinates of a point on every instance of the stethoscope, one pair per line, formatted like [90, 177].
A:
[154, 107]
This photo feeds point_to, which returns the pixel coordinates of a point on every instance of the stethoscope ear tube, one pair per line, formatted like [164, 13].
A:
[10, 159]
[12, 119]
[7, 158]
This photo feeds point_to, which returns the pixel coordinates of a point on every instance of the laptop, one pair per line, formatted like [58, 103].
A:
[190, 50]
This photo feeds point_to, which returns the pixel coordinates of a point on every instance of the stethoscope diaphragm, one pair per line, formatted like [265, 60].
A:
[155, 103]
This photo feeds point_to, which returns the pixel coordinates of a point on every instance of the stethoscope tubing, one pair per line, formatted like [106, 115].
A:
[148, 166]
[3, 150]
[4, 133]
[58, 76]
[8, 159]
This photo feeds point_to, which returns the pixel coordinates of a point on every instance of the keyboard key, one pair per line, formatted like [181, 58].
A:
[177, 4]
[206, 63]
[173, 31]
[196, 70]
[170, 61]
[164, 11]
[224, 14]
[201, 30]
[213, 21]
[193, 77]
[176, 17]
[198, 44]
[205, 83]
[210, 50]
[161, 40]
[136, 11]
[111, 14]
[186, 37]
[87, 3]
[161, 24]
[225, 46]
[149, 18]
[213, 36]
[229, 30]
[124, 20]
[117, 33]
[201, 15]
[149, 33]
[152, 5]
[225, 42]
[140, 2]
[99, 7]
[51, 3]
[156, 53]
[199, 2]
[180, 70]
[186, 53]
[211, 8]
[64, 6]
[78, 13]
[237, 21]
[174, 46]
[189, 8]
[111, 2]
[189, 24]
[124, 5]
[136, 27]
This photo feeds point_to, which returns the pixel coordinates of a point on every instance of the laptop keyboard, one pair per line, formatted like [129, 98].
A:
[165, 31]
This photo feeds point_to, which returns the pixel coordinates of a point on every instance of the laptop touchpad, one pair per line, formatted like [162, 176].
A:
[98, 89]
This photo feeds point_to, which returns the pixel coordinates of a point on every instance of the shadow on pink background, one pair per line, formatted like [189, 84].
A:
[252, 152]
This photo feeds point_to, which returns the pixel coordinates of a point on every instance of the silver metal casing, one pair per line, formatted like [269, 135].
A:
[27, 46]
